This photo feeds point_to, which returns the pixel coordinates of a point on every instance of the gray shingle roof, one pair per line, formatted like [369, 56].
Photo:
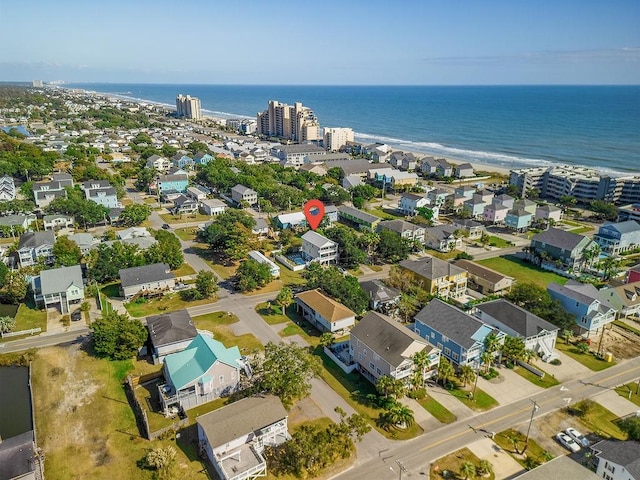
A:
[624, 227]
[378, 291]
[481, 271]
[558, 238]
[171, 328]
[518, 319]
[36, 239]
[386, 337]
[59, 279]
[440, 232]
[354, 212]
[450, 321]
[431, 267]
[316, 239]
[625, 453]
[240, 418]
[147, 273]
[398, 226]
[584, 293]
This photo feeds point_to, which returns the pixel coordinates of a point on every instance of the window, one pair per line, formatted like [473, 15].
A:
[376, 357]
[439, 345]
[433, 334]
[455, 356]
[221, 378]
[359, 355]
[364, 352]
[379, 371]
[447, 351]
[445, 339]
[372, 366]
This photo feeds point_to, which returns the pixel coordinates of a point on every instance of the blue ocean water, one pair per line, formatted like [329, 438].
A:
[505, 126]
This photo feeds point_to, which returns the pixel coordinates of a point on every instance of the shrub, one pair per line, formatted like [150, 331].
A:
[464, 256]
[492, 373]
[66, 320]
[556, 361]
[580, 409]
[417, 394]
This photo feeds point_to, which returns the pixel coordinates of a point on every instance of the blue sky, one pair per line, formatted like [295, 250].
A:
[336, 42]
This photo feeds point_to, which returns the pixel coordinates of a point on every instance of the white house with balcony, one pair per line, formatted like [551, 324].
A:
[59, 287]
[318, 248]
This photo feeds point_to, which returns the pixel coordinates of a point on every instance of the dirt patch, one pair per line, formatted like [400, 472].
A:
[303, 411]
[620, 343]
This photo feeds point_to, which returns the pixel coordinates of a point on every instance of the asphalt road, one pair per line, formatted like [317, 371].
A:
[417, 454]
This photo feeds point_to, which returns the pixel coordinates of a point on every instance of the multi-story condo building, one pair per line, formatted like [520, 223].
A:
[297, 123]
[335, 138]
[585, 184]
[188, 107]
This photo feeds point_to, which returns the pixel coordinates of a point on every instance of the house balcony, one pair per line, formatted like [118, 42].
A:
[246, 462]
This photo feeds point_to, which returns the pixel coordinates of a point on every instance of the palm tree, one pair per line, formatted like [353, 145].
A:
[466, 374]
[401, 415]
[445, 370]
[609, 266]
[468, 469]
[485, 468]
[486, 359]
[546, 455]
[515, 441]
[591, 253]
[529, 355]
[567, 334]
[420, 362]
[389, 386]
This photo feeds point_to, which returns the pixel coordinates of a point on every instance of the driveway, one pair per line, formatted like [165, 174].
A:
[620, 406]
[569, 369]
[504, 466]
[512, 387]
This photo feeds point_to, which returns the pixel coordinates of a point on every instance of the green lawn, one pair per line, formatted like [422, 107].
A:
[442, 255]
[273, 316]
[453, 462]
[28, 317]
[223, 271]
[481, 401]
[287, 278]
[354, 388]
[522, 271]
[218, 324]
[534, 451]
[589, 360]
[546, 382]
[384, 214]
[630, 392]
[167, 303]
[498, 242]
[174, 220]
[188, 234]
[184, 270]
[437, 410]
[601, 421]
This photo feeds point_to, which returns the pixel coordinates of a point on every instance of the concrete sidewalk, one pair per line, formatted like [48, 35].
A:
[423, 418]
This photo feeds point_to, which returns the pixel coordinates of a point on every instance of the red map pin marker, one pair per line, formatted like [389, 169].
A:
[313, 212]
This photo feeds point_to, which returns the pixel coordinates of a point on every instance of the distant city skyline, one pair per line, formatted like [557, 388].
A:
[414, 42]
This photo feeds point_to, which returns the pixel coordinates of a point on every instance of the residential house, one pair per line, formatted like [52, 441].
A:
[485, 280]
[17, 453]
[34, 246]
[409, 162]
[330, 214]
[504, 199]
[465, 191]
[438, 196]
[548, 212]
[351, 181]
[617, 460]
[323, 312]
[204, 371]
[235, 435]
[364, 220]
[428, 166]
[584, 302]
[181, 160]
[444, 168]
[297, 155]
[291, 220]
[159, 163]
[475, 206]
[392, 179]
[114, 215]
[176, 171]
[624, 298]
[518, 219]
[562, 467]
[486, 196]
[316, 169]
[154, 278]
[196, 193]
[57, 221]
[615, 238]
[240, 194]
[14, 220]
[101, 192]
[7, 188]
[464, 170]
[538, 334]
[202, 158]
[212, 207]
[64, 179]
[260, 258]
[317, 248]
[133, 232]
[184, 204]
[473, 229]
[633, 274]
[59, 287]
[381, 297]
[85, 242]
[261, 228]
[437, 276]
[172, 183]
[170, 333]
[410, 202]
[525, 204]
[381, 346]
[460, 337]
[560, 245]
[406, 230]
[442, 238]
[46, 192]
[495, 212]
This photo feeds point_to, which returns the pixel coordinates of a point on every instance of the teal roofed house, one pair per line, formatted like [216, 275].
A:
[202, 372]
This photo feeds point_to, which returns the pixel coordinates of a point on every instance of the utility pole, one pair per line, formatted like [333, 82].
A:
[473, 394]
[533, 411]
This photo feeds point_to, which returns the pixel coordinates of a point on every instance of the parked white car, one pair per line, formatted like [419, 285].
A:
[567, 442]
[579, 438]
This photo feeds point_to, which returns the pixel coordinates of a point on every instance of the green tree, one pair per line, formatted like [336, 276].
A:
[420, 362]
[206, 284]
[445, 370]
[285, 370]
[7, 324]
[230, 234]
[398, 415]
[609, 267]
[327, 339]
[168, 249]
[485, 467]
[351, 255]
[603, 209]
[3, 273]
[537, 300]
[467, 469]
[392, 248]
[162, 459]
[117, 336]
[407, 307]
[284, 298]
[466, 374]
[631, 426]
[66, 253]
[251, 275]
[390, 387]
[513, 349]
[15, 287]
[145, 177]
[134, 214]
[567, 201]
